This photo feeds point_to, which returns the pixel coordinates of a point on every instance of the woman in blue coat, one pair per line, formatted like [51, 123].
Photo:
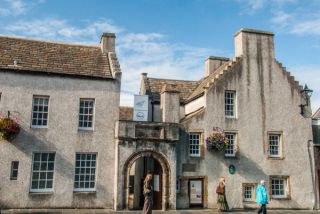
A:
[262, 197]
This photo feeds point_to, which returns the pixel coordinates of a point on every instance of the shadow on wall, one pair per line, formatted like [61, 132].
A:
[28, 143]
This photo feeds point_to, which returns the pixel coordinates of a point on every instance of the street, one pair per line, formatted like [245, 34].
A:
[104, 211]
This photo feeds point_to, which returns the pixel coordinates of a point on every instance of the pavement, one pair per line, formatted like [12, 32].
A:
[105, 211]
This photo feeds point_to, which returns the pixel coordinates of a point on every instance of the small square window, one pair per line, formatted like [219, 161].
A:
[279, 186]
[249, 191]
[14, 170]
[194, 144]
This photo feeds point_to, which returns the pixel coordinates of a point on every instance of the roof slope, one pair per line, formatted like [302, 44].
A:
[18, 54]
[206, 82]
[316, 114]
[183, 86]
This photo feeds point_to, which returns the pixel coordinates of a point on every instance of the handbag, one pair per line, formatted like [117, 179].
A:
[219, 190]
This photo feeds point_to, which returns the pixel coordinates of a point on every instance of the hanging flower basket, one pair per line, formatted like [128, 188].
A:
[217, 140]
[9, 128]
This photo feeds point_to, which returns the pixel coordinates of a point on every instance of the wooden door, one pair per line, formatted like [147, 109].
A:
[157, 186]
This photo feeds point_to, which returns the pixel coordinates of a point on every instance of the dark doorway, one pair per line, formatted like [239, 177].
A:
[138, 171]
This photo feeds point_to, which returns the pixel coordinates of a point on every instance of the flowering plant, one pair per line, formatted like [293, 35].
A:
[217, 140]
[9, 128]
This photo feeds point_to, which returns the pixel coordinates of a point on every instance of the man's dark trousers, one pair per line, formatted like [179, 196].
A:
[263, 209]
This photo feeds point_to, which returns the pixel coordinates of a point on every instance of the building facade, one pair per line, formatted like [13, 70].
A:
[78, 149]
[66, 100]
[258, 105]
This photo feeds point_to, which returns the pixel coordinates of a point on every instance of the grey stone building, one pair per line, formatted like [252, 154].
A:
[77, 148]
[263, 112]
[66, 100]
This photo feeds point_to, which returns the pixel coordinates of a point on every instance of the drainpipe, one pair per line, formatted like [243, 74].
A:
[313, 175]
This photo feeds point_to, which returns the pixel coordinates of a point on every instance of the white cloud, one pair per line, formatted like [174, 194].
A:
[307, 27]
[281, 19]
[61, 30]
[310, 75]
[252, 6]
[152, 53]
[16, 7]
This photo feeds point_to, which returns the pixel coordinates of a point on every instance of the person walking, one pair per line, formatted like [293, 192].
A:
[147, 192]
[262, 197]
[222, 200]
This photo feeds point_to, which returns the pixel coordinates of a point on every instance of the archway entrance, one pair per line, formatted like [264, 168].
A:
[136, 169]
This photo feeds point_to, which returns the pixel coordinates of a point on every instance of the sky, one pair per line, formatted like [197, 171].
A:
[172, 38]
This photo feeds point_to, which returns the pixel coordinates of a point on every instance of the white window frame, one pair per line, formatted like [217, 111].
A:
[192, 144]
[285, 186]
[93, 114]
[43, 112]
[90, 189]
[235, 144]
[279, 135]
[234, 104]
[13, 169]
[46, 171]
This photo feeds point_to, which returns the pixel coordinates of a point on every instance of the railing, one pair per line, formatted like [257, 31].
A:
[156, 131]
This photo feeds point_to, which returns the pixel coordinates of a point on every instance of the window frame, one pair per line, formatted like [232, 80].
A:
[32, 111]
[199, 145]
[280, 145]
[178, 185]
[235, 143]
[12, 178]
[286, 190]
[253, 194]
[234, 116]
[46, 190]
[79, 190]
[93, 114]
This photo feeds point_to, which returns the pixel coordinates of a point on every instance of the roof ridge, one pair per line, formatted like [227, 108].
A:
[50, 42]
[215, 74]
[173, 79]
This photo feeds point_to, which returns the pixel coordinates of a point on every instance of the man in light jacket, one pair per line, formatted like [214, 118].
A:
[262, 197]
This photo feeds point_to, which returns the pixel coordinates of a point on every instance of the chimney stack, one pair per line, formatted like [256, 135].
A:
[107, 42]
[212, 63]
[254, 43]
[170, 103]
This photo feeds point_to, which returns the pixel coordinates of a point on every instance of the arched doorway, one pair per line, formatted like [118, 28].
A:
[137, 166]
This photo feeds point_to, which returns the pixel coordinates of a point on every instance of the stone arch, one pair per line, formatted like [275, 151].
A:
[166, 176]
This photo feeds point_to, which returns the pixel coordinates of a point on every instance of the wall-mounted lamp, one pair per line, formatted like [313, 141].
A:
[306, 93]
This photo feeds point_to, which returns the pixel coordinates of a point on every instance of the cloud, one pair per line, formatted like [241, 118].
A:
[252, 6]
[309, 74]
[152, 53]
[281, 19]
[61, 30]
[16, 7]
[307, 27]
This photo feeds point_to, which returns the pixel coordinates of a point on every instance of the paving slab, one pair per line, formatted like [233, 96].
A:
[107, 211]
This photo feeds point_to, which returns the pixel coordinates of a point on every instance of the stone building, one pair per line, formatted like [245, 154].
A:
[66, 100]
[77, 148]
[260, 107]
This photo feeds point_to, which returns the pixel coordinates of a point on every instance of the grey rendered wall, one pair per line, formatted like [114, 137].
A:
[267, 100]
[61, 136]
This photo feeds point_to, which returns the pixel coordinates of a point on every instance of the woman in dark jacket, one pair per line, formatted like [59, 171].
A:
[222, 200]
[147, 192]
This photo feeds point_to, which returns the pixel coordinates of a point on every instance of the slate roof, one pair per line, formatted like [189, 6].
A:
[19, 54]
[125, 113]
[185, 87]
